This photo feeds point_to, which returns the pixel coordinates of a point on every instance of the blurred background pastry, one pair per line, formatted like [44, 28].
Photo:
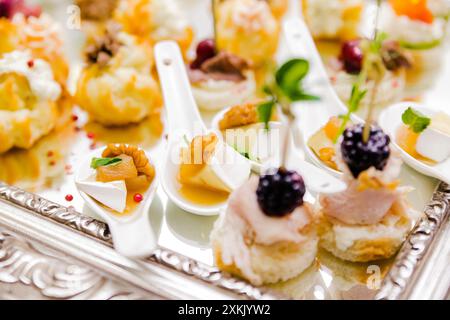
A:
[220, 79]
[248, 29]
[117, 86]
[333, 19]
[155, 20]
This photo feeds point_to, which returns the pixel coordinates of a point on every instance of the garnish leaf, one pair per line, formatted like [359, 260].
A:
[289, 77]
[415, 120]
[265, 111]
[101, 162]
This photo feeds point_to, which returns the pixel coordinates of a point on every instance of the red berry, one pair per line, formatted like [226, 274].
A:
[138, 197]
[74, 117]
[90, 135]
[50, 153]
[7, 8]
[206, 49]
[69, 197]
[352, 56]
[30, 64]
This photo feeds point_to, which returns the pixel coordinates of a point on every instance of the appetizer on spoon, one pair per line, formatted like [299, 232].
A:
[422, 136]
[118, 183]
[201, 169]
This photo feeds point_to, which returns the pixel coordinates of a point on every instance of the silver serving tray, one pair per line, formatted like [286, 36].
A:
[56, 251]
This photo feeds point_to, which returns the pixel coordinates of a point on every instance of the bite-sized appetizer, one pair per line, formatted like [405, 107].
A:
[120, 178]
[344, 72]
[39, 34]
[206, 174]
[28, 100]
[156, 20]
[419, 26]
[425, 138]
[322, 143]
[243, 130]
[248, 29]
[333, 19]
[220, 79]
[117, 87]
[369, 220]
[267, 233]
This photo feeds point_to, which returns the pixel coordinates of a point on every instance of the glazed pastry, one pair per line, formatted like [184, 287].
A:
[41, 35]
[248, 29]
[117, 87]
[371, 219]
[333, 19]
[267, 233]
[420, 27]
[220, 79]
[123, 171]
[243, 130]
[156, 20]
[344, 72]
[28, 96]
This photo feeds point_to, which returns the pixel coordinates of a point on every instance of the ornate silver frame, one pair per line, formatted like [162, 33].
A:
[84, 243]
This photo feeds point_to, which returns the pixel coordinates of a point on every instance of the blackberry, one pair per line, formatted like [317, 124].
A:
[280, 192]
[360, 156]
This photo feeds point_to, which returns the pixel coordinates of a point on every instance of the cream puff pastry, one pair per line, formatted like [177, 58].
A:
[117, 86]
[28, 96]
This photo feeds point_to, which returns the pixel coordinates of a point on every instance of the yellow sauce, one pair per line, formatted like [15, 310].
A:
[202, 196]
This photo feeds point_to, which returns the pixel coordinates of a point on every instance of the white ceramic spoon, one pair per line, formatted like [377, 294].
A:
[312, 115]
[132, 234]
[391, 119]
[274, 160]
[184, 122]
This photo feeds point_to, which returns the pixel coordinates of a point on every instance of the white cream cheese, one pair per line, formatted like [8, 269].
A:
[434, 141]
[253, 15]
[111, 194]
[167, 18]
[37, 71]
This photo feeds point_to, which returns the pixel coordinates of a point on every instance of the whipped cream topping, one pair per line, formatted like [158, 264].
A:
[252, 15]
[267, 230]
[37, 71]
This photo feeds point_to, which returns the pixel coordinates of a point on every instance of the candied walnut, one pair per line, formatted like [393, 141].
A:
[98, 10]
[140, 159]
[226, 63]
[104, 48]
[241, 115]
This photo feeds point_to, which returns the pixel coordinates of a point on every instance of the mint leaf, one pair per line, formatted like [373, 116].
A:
[289, 77]
[101, 162]
[265, 111]
[415, 120]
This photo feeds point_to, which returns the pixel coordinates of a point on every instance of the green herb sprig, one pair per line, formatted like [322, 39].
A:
[101, 162]
[284, 88]
[415, 120]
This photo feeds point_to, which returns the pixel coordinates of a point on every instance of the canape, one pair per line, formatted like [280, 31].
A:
[206, 175]
[345, 69]
[220, 79]
[156, 20]
[116, 86]
[39, 34]
[267, 233]
[28, 96]
[243, 130]
[119, 179]
[248, 29]
[333, 20]
[371, 219]
[426, 138]
[419, 26]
